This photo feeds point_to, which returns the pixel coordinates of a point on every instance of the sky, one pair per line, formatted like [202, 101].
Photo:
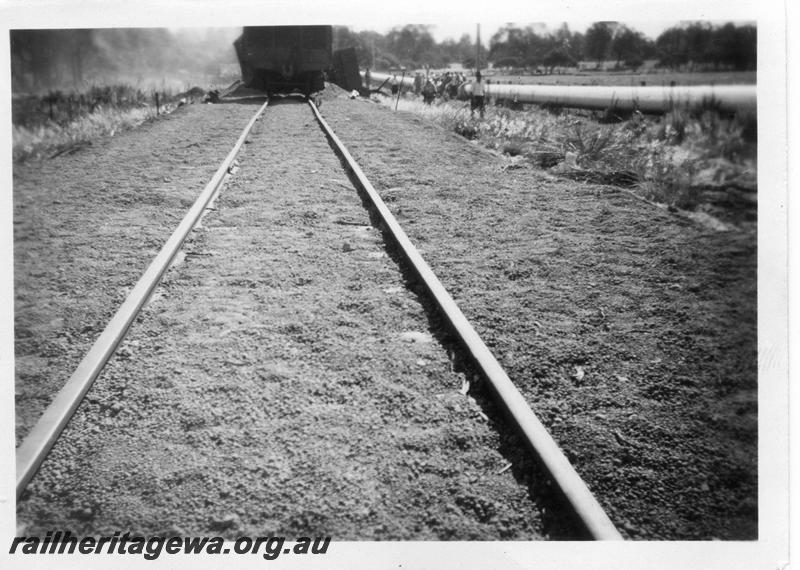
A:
[454, 30]
[451, 18]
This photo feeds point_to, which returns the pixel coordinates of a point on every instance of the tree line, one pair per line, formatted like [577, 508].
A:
[692, 46]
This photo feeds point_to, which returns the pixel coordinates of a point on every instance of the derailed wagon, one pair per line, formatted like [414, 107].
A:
[285, 59]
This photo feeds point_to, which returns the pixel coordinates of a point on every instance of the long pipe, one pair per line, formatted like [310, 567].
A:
[544, 446]
[648, 99]
[382, 78]
[35, 447]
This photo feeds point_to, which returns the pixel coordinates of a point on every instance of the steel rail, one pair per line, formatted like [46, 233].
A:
[584, 504]
[36, 445]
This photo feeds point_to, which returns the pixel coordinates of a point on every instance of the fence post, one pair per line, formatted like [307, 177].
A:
[399, 90]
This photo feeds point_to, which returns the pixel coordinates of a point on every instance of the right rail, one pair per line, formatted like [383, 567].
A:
[578, 495]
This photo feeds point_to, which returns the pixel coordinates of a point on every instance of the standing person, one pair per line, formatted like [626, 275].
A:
[452, 87]
[418, 83]
[395, 85]
[446, 86]
[367, 80]
[478, 99]
[428, 92]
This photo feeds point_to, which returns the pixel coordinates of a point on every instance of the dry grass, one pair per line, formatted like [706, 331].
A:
[47, 140]
[668, 158]
[52, 124]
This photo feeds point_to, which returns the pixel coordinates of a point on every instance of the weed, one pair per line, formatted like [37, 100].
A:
[708, 104]
[545, 158]
[513, 147]
[748, 125]
[590, 146]
[467, 128]
[613, 115]
[637, 125]
[673, 127]
[553, 108]
[668, 182]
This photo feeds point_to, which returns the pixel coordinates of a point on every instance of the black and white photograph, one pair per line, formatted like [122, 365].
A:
[452, 285]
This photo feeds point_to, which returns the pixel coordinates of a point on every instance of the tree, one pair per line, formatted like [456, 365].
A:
[558, 57]
[629, 46]
[343, 37]
[528, 46]
[458, 52]
[597, 41]
[509, 42]
[671, 48]
[577, 46]
[374, 45]
[699, 43]
[414, 46]
[734, 47]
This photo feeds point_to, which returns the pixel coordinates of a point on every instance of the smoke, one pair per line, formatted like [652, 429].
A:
[147, 58]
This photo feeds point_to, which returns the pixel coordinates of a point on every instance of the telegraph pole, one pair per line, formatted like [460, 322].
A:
[478, 50]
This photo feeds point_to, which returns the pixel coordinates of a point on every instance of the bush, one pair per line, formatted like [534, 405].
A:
[670, 183]
[673, 127]
[514, 147]
[589, 147]
[467, 128]
[748, 125]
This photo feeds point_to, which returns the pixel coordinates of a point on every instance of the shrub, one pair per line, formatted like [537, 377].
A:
[748, 125]
[513, 147]
[467, 128]
[613, 115]
[673, 127]
[667, 181]
[553, 108]
[591, 146]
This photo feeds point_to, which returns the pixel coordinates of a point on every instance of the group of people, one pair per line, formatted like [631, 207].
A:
[444, 86]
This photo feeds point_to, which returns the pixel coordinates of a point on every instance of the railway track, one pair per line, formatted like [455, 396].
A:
[260, 304]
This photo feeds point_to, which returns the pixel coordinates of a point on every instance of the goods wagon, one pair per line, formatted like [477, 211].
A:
[285, 59]
[345, 67]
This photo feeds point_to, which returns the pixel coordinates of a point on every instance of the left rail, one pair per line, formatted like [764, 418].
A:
[37, 444]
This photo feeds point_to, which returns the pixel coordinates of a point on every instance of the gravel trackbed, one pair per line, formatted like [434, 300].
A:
[289, 377]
